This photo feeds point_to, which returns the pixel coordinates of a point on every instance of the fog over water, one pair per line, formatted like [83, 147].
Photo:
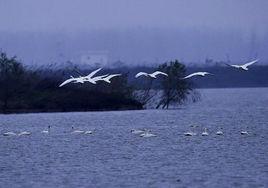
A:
[135, 31]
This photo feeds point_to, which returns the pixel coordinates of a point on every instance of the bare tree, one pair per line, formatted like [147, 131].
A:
[174, 89]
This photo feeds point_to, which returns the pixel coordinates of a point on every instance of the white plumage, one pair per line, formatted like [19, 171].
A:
[152, 75]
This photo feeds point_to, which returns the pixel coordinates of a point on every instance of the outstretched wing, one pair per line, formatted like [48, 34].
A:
[250, 63]
[66, 82]
[189, 76]
[97, 78]
[107, 79]
[235, 66]
[158, 72]
[112, 75]
[207, 73]
[93, 73]
[229, 65]
[141, 74]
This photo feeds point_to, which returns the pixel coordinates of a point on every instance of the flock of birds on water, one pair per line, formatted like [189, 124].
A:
[141, 132]
[146, 133]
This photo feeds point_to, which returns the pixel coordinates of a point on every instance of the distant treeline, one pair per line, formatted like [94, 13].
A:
[28, 89]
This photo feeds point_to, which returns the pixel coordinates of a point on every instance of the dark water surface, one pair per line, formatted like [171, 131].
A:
[113, 157]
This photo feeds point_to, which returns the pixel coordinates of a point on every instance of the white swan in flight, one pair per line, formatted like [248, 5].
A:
[152, 75]
[89, 77]
[46, 131]
[98, 78]
[24, 133]
[9, 134]
[107, 79]
[72, 79]
[205, 133]
[245, 66]
[197, 74]
[81, 79]
[92, 73]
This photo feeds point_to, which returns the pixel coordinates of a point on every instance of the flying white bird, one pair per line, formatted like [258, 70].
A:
[197, 74]
[81, 79]
[245, 66]
[93, 73]
[152, 75]
[107, 79]
[72, 79]
[89, 78]
[98, 78]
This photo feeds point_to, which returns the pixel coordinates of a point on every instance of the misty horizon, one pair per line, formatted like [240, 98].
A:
[135, 32]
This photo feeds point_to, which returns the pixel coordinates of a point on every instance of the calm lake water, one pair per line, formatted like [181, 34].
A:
[113, 157]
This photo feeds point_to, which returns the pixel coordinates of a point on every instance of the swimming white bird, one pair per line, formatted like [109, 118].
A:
[46, 131]
[88, 132]
[136, 131]
[244, 133]
[77, 131]
[191, 132]
[205, 133]
[152, 75]
[147, 134]
[197, 74]
[245, 66]
[24, 133]
[107, 79]
[219, 132]
[9, 134]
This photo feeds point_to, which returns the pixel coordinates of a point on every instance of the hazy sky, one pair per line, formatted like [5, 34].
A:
[51, 15]
[228, 18]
